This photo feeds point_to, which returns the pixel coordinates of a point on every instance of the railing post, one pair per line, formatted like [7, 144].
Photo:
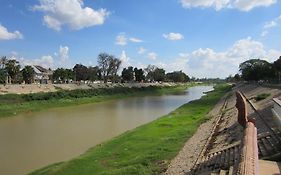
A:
[248, 161]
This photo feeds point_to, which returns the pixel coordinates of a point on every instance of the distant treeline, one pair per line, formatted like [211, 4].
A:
[106, 71]
[258, 70]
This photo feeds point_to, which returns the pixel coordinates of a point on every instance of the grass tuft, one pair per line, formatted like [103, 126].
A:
[261, 96]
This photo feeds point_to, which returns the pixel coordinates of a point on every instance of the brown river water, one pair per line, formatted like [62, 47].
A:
[30, 141]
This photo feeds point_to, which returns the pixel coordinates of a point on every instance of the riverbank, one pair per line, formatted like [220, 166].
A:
[12, 104]
[39, 88]
[145, 150]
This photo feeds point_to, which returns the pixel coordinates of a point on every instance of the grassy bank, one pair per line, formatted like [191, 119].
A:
[145, 150]
[12, 104]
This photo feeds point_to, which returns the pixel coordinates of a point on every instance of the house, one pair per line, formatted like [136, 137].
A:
[42, 75]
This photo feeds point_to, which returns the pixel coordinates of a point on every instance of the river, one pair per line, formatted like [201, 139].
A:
[29, 141]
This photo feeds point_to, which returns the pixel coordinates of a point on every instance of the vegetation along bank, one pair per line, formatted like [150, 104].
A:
[147, 149]
[12, 104]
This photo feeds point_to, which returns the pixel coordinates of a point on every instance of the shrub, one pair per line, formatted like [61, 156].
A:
[261, 96]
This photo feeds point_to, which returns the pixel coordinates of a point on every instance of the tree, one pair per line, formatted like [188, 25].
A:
[80, 72]
[58, 74]
[103, 62]
[237, 77]
[3, 76]
[159, 74]
[3, 62]
[128, 74]
[277, 68]
[63, 75]
[69, 75]
[149, 72]
[277, 64]
[177, 76]
[109, 66]
[3, 72]
[256, 69]
[28, 74]
[13, 68]
[139, 75]
[113, 68]
[154, 73]
[93, 73]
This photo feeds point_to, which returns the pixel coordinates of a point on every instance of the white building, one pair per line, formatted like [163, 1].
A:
[42, 75]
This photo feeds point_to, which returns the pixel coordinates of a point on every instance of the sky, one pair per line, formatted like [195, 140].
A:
[203, 38]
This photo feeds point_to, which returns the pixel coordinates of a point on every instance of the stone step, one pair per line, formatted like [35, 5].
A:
[269, 145]
[222, 159]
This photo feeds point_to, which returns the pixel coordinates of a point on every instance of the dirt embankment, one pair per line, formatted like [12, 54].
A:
[35, 88]
[229, 132]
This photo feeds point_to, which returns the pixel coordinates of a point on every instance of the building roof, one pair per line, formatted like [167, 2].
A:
[41, 70]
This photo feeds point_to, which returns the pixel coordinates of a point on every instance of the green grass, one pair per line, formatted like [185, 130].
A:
[147, 149]
[261, 96]
[12, 104]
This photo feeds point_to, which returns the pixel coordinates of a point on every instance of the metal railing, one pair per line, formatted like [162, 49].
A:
[248, 160]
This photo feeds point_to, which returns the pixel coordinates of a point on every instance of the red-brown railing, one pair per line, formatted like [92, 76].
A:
[248, 161]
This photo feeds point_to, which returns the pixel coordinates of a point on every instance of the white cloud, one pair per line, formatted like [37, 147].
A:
[173, 36]
[6, 35]
[245, 49]
[209, 63]
[272, 55]
[247, 5]
[46, 61]
[264, 33]
[14, 53]
[52, 23]
[270, 24]
[71, 13]
[121, 39]
[243, 5]
[152, 55]
[183, 55]
[141, 50]
[179, 64]
[125, 59]
[217, 4]
[135, 40]
[63, 53]
[60, 59]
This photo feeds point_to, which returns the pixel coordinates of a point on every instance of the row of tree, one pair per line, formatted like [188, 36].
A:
[153, 74]
[257, 69]
[106, 70]
[108, 67]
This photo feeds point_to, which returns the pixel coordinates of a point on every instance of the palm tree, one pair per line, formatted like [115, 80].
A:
[3, 72]
[28, 74]
[13, 68]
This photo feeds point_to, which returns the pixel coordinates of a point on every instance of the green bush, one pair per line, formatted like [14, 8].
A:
[261, 96]
[81, 93]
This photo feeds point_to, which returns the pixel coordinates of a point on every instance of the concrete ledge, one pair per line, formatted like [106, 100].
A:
[269, 167]
[277, 101]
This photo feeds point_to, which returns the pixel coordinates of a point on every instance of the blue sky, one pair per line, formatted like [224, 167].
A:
[203, 38]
